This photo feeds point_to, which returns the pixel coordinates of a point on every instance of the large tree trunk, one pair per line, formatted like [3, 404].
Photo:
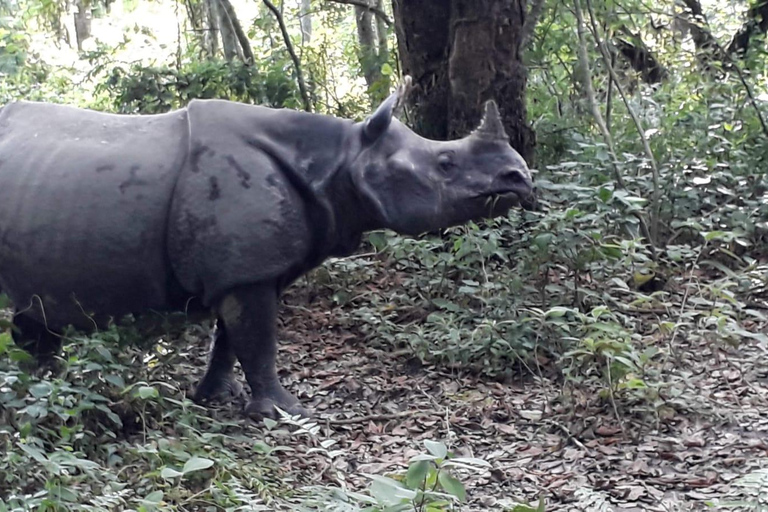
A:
[461, 53]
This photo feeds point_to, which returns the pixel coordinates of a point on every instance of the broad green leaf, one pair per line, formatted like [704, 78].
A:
[146, 392]
[170, 473]
[417, 472]
[33, 452]
[196, 464]
[557, 312]
[390, 492]
[451, 485]
[153, 498]
[436, 448]
[41, 389]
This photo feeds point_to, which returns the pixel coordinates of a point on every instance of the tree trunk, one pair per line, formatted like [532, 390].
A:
[461, 55]
[244, 50]
[366, 38]
[227, 31]
[305, 19]
[82, 22]
[373, 51]
[211, 27]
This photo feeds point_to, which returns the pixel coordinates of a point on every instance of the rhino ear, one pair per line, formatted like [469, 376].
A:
[491, 127]
[378, 123]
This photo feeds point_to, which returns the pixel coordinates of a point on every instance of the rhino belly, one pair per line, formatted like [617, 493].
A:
[84, 199]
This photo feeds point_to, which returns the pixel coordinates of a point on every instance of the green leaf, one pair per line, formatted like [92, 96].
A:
[196, 464]
[170, 473]
[557, 312]
[436, 448]
[41, 389]
[115, 380]
[390, 492]
[153, 498]
[146, 392]
[417, 473]
[386, 69]
[33, 452]
[378, 240]
[451, 485]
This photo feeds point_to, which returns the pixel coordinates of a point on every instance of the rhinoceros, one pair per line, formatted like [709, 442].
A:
[104, 215]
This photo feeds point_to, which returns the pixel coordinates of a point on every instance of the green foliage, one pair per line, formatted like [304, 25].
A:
[149, 90]
[429, 485]
[106, 431]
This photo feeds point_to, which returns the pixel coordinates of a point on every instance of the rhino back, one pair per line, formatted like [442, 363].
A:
[84, 199]
[242, 210]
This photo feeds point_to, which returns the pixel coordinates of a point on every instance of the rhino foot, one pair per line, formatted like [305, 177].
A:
[261, 407]
[220, 389]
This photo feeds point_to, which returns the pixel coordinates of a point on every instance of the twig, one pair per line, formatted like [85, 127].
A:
[567, 434]
[292, 52]
[362, 3]
[380, 417]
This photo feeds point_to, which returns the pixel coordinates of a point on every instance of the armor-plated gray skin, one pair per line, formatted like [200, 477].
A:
[103, 215]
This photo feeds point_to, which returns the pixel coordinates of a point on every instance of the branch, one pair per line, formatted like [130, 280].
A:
[583, 57]
[292, 52]
[362, 3]
[757, 23]
[656, 200]
[531, 19]
[724, 56]
[641, 59]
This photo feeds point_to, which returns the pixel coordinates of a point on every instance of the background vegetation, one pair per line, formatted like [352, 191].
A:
[642, 283]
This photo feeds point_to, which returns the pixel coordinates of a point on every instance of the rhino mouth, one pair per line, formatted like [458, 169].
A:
[504, 200]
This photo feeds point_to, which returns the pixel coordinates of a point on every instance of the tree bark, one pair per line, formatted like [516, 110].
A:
[305, 20]
[461, 55]
[82, 22]
[366, 40]
[244, 50]
[211, 27]
[227, 32]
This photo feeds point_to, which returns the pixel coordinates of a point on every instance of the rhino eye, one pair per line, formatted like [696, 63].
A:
[445, 161]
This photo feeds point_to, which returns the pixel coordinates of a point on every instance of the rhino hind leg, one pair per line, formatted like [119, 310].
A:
[36, 338]
[250, 314]
[219, 383]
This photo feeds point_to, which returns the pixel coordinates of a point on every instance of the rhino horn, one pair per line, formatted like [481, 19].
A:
[491, 127]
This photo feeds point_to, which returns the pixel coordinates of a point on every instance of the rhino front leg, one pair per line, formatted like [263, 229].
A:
[219, 383]
[250, 315]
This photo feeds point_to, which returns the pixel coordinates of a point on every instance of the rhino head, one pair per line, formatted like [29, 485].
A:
[415, 185]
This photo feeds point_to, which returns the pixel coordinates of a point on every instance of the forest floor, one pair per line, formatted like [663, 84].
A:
[578, 451]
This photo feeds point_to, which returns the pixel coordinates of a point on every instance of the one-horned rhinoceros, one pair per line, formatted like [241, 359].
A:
[104, 215]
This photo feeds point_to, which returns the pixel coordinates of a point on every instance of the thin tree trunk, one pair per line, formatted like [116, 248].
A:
[227, 31]
[244, 49]
[211, 27]
[367, 43]
[82, 22]
[305, 19]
